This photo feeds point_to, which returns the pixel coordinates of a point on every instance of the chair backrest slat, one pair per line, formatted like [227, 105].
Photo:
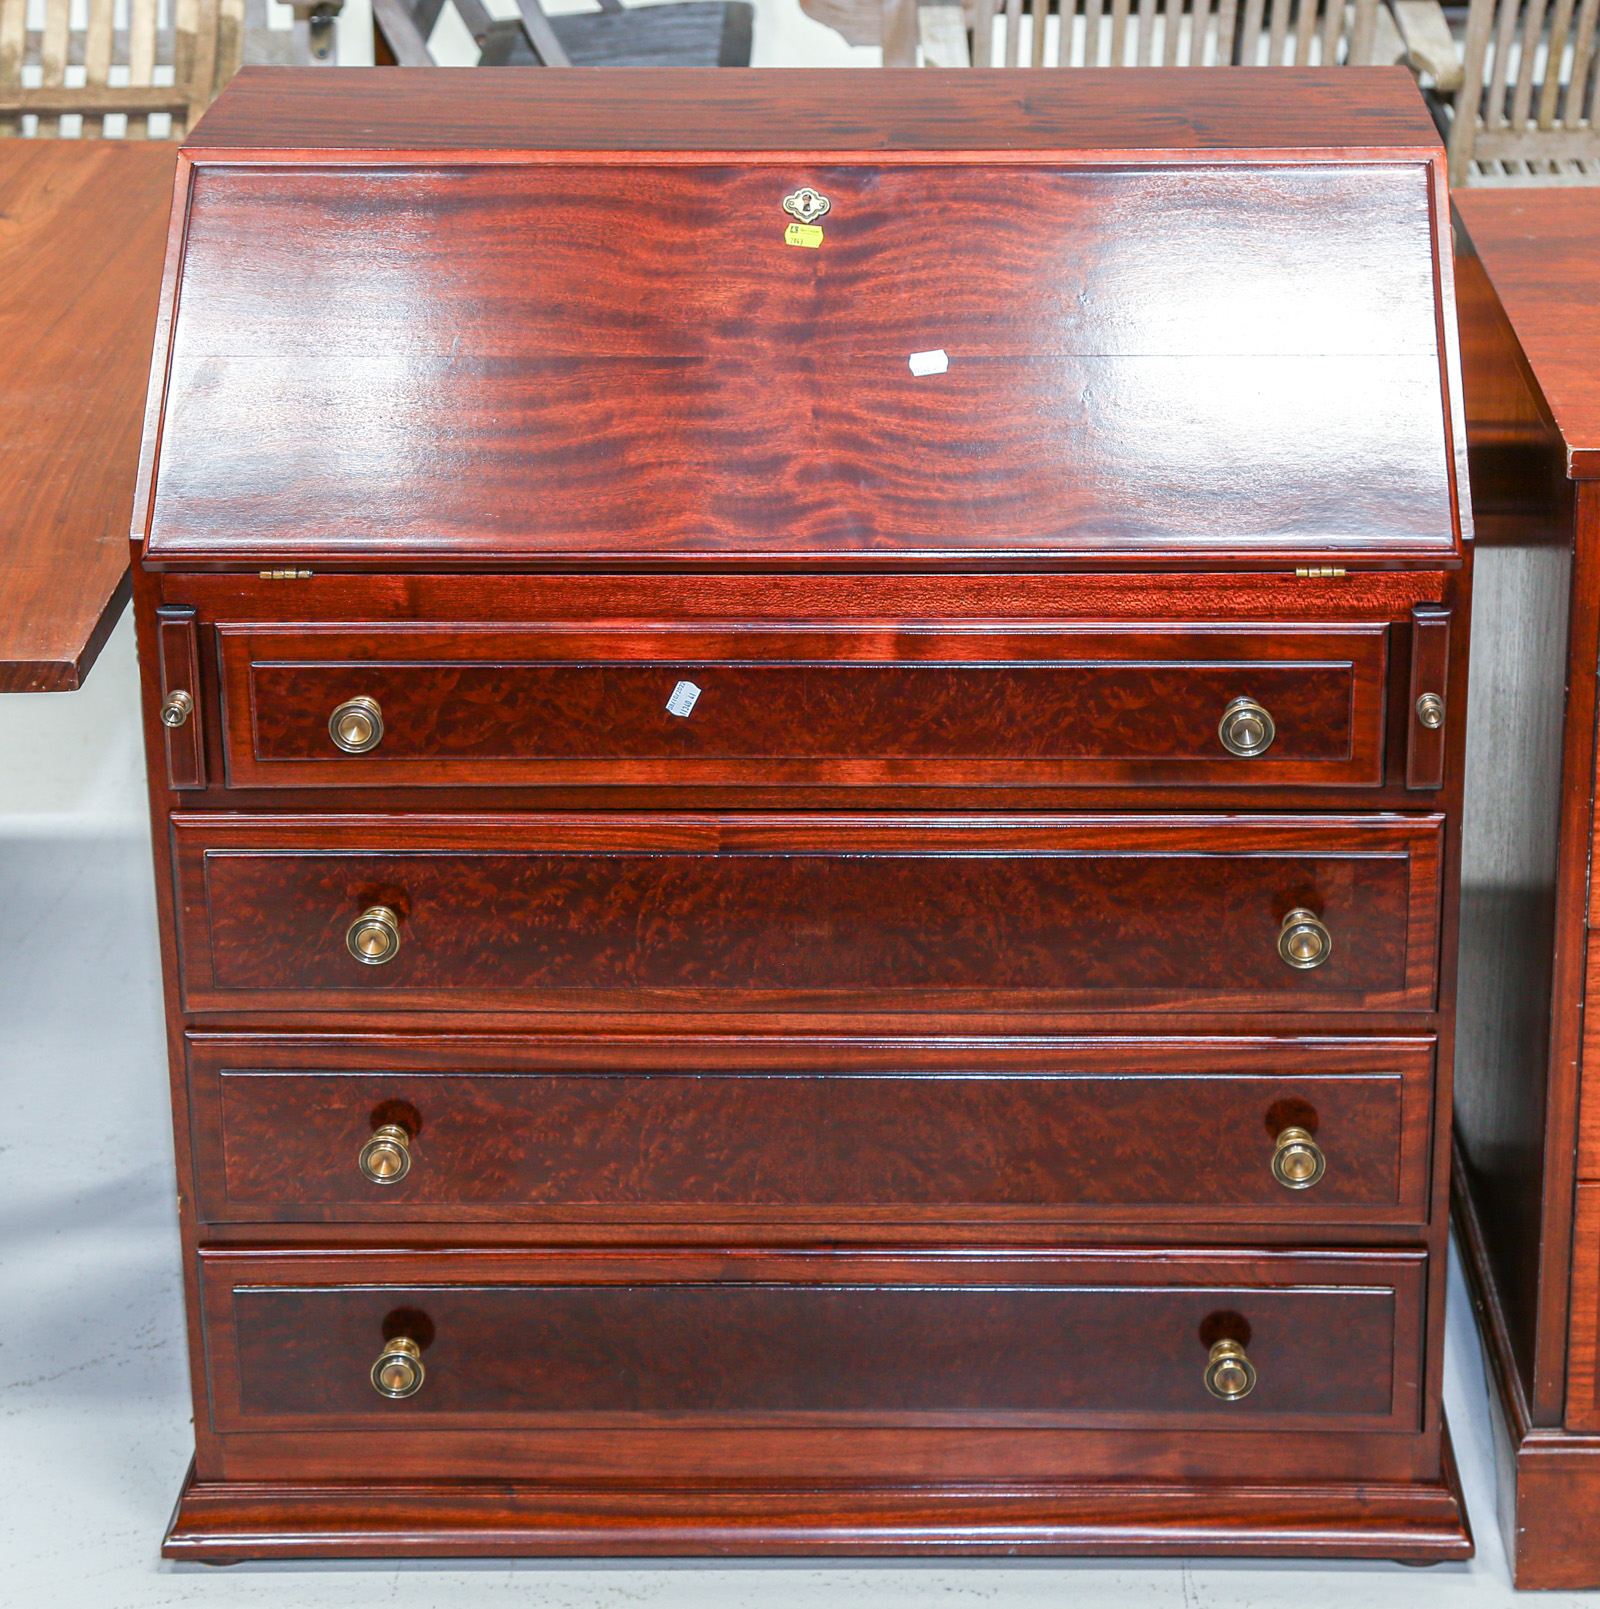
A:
[1525, 110]
[195, 54]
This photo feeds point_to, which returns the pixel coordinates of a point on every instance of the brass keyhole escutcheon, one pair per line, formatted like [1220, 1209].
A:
[386, 1157]
[1246, 729]
[398, 1373]
[807, 204]
[374, 936]
[356, 726]
[1230, 1375]
[1430, 711]
[176, 708]
[1303, 941]
[1297, 1159]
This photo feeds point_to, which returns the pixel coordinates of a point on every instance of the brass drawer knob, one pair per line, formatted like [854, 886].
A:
[386, 1157]
[1297, 1160]
[356, 726]
[1246, 729]
[398, 1372]
[176, 708]
[1230, 1375]
[1303, 941]
[1430, 711]
[374, 936]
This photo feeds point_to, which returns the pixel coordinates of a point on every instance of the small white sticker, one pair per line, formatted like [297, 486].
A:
[929, 362]
[683, 698]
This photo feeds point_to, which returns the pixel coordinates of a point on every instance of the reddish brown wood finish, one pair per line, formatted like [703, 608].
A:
[576, 388]
[82, 225]
[694, 1131]
[687, 1341]
[890, 702]
[1531, 282]
[797, 1058]
[180, 674]
[623, 913]
[1430, 675]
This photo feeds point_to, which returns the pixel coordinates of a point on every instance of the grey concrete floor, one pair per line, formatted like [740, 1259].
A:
[94, 1410]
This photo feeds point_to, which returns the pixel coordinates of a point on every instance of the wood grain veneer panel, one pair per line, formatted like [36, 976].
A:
[891, 702]
[616, 365]
[1583, 1344]
[634, 1339]
[612, 1130]
[621, 912]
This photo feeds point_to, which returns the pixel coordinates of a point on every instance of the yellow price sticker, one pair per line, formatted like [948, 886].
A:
[802, 234]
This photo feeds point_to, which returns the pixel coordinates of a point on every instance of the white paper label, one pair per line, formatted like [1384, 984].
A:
[683, 698]
[929, 362]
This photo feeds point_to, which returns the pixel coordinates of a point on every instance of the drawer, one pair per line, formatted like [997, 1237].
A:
[891, 702]
[676, 1131]
[727, 1337]
[861, 913]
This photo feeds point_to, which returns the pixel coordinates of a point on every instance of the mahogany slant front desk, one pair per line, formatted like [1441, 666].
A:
[1528, 1093]
[806, 739]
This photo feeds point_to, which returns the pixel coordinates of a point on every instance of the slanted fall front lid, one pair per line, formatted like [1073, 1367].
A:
[932, 354]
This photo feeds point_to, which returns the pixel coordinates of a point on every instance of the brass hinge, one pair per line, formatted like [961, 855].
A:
[1321, 573]
[285, 575]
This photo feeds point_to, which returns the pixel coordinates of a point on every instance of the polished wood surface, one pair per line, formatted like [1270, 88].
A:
[82, 229]
[791, 1339]
[523, 419]
[786, 1064]
[1530, 271]
[623, 913]
[886, 701]
[1542, 254]
[733, 110]
[694, 1132]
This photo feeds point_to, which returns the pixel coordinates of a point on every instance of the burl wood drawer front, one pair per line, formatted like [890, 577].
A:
[892, 913]
[720, 1338]
[886, 702]
[529, 1129]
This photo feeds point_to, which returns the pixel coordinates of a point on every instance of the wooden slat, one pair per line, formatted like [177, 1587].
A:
[203, 67]
[1576, 111]
[1469, 98]
[404, 37]
[1040, 19]
[1510, 144]
[942, 30]
[137, 102]
[1227, 23]
[553, 53]
[982, 22]
[1305, 30]
[230, 44]
[1147, 31]
[1494, 108]
[1363, 33]
[1532, 32]
[1332, 31]
[1550, 89]
[1277, 30]
[1094, 15]
[1250, 33]
[142, 56]
[53, 55]
[1119, 32]
[13, 36]
[1013, 31]
[97, 41]
[1172, 32]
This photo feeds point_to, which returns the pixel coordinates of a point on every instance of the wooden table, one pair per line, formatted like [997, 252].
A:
[83, 226]
[1528, 1077]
